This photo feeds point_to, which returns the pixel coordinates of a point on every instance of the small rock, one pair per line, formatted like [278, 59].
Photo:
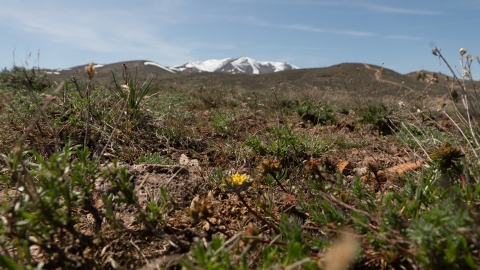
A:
[183, 160]
[360, 171]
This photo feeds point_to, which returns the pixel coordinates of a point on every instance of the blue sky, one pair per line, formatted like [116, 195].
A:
[304, 33]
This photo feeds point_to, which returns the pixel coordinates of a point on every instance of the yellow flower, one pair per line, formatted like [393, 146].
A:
[237, 181]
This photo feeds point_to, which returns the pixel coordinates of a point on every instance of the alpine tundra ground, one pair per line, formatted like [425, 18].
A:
[349, 166]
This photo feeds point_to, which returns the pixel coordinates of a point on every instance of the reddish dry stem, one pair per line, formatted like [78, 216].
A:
[279, 184]
[459, 172]
[256, 215]
[378, 180]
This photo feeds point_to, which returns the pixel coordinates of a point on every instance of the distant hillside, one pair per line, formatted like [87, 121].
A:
[143, 68]
[369, 81]
[346, 78]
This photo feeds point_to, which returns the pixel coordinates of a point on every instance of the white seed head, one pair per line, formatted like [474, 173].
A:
[466, 73]
[463, 51]
[125, 88]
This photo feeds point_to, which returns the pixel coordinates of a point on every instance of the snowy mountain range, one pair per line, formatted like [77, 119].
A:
[235, 65]
[228, 65]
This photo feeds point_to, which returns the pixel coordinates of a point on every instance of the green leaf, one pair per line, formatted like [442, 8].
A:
[7, 263]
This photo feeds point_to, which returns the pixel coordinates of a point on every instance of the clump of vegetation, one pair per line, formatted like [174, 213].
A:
[224, 123]
[154, 158]
[373, 113]
[18, 78]
[316, 113]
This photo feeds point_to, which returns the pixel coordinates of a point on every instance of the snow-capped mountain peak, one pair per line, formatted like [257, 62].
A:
[209, 65]
[236, 65]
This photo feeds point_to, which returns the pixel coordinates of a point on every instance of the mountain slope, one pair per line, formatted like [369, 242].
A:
[366, 80]
[142, 68]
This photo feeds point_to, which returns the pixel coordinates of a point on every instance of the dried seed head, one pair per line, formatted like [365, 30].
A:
[463, 51]
[445, 155]
[90, 69]
[200, 210]
[250, 234]
[269, 166]
[466, 73]
[124, 88]
[313, 166]
[251, 230]
[373, 167]
[434, 51]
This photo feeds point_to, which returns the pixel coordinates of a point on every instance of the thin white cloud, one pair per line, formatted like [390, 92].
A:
[473, 4]
[389, 9]
[403, 37]
[423, 26]
[301, 27]
[101, 32]
[270, 47]
[310, 28]
[214, 46]
[349, 3]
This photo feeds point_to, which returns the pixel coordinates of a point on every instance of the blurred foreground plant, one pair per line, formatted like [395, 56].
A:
[446, 156]
[45, 215]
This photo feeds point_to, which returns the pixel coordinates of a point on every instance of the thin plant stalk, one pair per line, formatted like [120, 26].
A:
[279, 184]
[463, 134]
[269, 224]
[87, 121]
[437, 51]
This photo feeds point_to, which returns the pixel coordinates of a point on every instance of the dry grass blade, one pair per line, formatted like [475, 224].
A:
[35, 120]
[341, 254]
[163, 262]
[297, 265]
